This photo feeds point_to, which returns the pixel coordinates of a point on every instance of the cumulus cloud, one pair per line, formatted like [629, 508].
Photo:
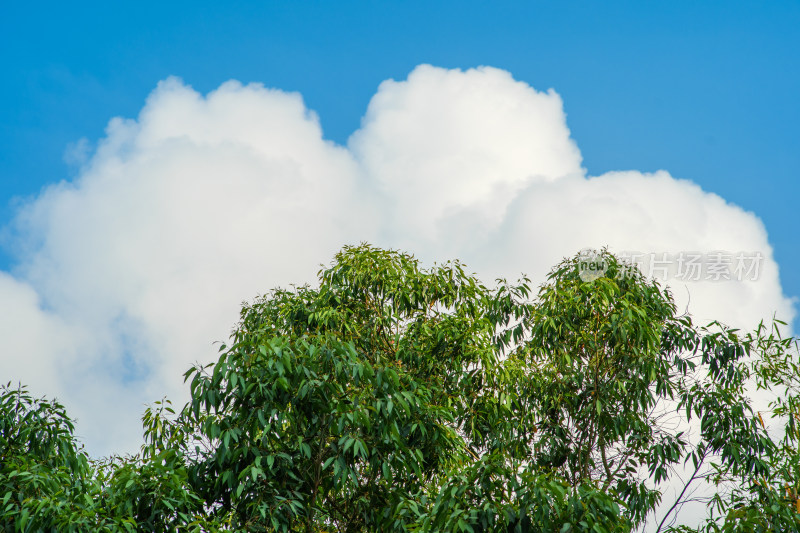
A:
[128, 273]
[449, 150]
[658, 222]
[180, 215]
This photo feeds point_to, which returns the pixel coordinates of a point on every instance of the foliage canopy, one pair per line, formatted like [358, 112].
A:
[398, 398]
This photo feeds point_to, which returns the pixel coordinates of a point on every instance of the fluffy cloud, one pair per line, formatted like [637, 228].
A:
[660, 218]
[449, 150]
[127, 274]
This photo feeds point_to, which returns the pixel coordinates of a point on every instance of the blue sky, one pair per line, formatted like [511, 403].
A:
[707, 91]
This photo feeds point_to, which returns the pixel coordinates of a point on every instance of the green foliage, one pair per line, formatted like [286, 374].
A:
[44, 477]
[47, 483]
[398, 398]
[335, 408]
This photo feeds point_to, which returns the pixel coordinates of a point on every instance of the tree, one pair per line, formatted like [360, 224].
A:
[47, 482]
[398, 398]
[43, 474]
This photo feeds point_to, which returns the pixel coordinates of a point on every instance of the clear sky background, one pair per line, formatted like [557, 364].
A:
[707, 91]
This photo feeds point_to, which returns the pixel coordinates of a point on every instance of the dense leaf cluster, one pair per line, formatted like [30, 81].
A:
[397, 398]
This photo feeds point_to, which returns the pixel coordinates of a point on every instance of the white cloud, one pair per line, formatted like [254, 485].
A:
[28, 333]
[179, 216]
[448, 149]
[129, 273]
[646, 213]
